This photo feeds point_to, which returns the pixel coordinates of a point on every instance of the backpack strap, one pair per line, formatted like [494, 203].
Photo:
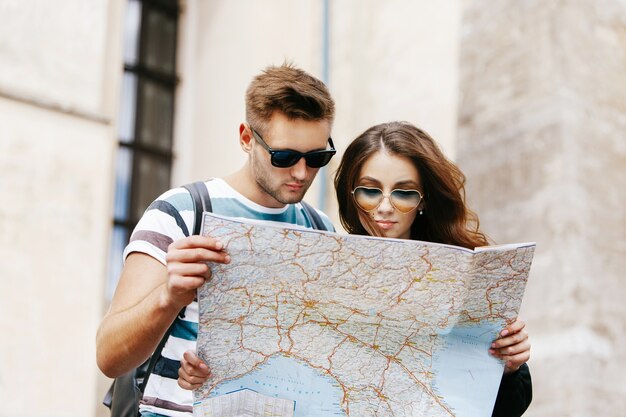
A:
[201, 203]
[313, 216]
[157, 353]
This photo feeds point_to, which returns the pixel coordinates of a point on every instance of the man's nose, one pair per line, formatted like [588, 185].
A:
[299, 170]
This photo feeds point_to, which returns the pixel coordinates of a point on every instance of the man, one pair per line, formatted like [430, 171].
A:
[287, 110]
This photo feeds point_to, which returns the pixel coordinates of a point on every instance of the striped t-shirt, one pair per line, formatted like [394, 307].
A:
[169, 218]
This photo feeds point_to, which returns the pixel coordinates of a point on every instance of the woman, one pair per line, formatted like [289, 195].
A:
[394, 181]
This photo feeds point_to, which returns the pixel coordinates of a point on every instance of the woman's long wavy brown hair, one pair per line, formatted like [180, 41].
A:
[445, 218]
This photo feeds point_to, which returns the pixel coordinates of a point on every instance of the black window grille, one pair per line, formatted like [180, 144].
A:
[146, 118]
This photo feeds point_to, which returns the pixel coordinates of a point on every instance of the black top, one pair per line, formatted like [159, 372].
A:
[515, 394]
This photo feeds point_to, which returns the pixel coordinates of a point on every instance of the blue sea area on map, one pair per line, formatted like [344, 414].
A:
[470, 392]
[314, 393]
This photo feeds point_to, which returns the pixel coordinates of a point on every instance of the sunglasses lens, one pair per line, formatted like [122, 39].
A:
[367, 198]
[318, 159]
[405, 200]
[370, 198]
[285, 159]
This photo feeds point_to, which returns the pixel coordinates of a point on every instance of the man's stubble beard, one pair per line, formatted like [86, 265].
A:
[263, 181]
[291, 199]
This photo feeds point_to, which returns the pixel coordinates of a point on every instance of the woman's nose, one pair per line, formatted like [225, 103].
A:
[385, 205]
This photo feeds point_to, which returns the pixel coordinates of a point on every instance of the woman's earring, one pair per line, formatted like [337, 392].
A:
[421, 212]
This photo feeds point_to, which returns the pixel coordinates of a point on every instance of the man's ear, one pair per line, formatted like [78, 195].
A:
[245, 138]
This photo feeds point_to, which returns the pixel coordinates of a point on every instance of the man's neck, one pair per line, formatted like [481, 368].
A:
[245, 184]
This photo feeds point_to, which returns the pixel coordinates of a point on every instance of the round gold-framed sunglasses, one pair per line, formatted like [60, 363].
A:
[369, 198]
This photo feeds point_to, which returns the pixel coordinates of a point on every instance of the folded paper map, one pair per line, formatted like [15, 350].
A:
[311, 323]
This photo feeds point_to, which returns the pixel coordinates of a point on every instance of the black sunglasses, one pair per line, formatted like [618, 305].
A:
[288, 158]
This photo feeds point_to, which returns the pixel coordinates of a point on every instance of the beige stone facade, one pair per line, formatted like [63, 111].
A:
[58, 101]
[541, 97]
[541, 138]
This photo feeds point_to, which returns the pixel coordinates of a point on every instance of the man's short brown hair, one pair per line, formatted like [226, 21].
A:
[289, 90]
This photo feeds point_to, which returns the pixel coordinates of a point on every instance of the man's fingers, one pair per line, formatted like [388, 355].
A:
[196, 249]
[195, 241]
[191, 379]
[184, 286]
[193, 372]
[198, 254]
[188, 269]
[194, 360]
[184, 384]
[191, 358]
[186, 366]
[193, 365]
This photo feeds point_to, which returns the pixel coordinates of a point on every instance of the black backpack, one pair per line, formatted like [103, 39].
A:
[126, 391]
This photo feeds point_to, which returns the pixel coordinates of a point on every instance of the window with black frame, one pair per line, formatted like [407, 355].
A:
[145, 123]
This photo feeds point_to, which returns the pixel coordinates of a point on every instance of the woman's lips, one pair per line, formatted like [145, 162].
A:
[385, 224]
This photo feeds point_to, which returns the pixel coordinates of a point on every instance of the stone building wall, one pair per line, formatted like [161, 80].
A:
[59, 74]
[542, 116]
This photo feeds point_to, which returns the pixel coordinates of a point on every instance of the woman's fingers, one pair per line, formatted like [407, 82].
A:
[513, 346]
